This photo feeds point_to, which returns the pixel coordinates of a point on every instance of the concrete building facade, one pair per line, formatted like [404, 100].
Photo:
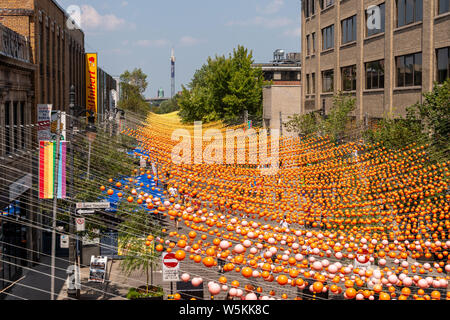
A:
[282, 98]
[385, 53]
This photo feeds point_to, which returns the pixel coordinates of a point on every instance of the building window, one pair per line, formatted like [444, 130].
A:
[409, 70]
[326, 3]
[349, 78]
[348, 29]
[310, 8]
[8, 127]
[327, 81]
[375, 74]
[313, 38]
[443, 6]
[328, 37]
[443, 64]
[408, 11]
[307, 45]
[308, 88]
[22, 128]
[313, 83]
[16, 126]
[286, 76]
[374, 27]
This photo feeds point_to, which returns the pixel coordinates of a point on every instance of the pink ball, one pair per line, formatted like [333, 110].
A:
[359, 296]
[317, 266]
[393, 279]
[224, 288]
[382, 262]
[197, 281]
[214, 289]
[224, 244]
[423, 283]
[239, 248]
[233, 292]
[239, 293]
[332, 269]
[251, 296]
[185, 277]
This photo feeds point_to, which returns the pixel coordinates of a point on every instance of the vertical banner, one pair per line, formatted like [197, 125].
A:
[91, 82]
[43, 121]
[47, 167]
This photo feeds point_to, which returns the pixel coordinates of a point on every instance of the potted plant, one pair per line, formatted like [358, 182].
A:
[138, 251]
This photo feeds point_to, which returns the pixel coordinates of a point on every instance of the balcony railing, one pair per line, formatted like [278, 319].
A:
[14, 45]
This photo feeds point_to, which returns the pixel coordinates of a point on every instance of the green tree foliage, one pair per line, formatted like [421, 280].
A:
[168, 106]
[434, 113]
[223, 88]
[397, 133]
[338, 118]
[426, 122]
[304, 125]
[138, 224]
[133, 85]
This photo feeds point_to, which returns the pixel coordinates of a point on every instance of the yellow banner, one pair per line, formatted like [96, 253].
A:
[91, 82]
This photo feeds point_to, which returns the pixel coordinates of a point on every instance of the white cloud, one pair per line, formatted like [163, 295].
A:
[269, 23]
[297, 32]
[273, 7]
[188, 41]
[152, 43]
[92, 20]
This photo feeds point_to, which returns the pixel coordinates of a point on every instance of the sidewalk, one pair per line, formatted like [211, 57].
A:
[36, 284]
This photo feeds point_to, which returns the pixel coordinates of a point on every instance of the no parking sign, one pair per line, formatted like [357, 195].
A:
[81, 224]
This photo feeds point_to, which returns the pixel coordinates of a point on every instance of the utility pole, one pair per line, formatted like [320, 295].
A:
[55, 207]
[281, 124]
[72, 291]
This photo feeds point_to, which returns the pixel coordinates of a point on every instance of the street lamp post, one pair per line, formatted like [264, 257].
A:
[72, 290]
[55, 209]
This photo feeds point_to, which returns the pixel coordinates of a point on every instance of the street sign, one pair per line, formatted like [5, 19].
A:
[362, 260]
[93, 205]
[44, 112]
[82, 211]
[81, 224]
[64, 244]
[171, 267]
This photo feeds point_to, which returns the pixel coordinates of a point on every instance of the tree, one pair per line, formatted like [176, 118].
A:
[304, 125]
[434, 113]
[223, 88]
[168, 106]
[426, 122]
[133, 234]
[133, 85]
[338, 119]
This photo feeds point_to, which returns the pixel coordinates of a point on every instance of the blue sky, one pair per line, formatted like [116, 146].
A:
[141, 33]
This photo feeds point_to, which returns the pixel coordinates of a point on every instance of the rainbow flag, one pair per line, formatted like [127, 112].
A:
[47, 169]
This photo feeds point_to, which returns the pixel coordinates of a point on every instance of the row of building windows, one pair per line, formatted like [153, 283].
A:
[14, 128]
[408, 12]
[53, 65]
[408, 71]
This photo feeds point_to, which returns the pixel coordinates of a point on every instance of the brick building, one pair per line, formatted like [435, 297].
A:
[16, 160]
[57, 51]
[385, 66]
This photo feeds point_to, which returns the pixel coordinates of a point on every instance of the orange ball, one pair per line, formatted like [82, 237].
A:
[282, 279]
[318, 287]
[180, 255]
[247, 272]
[351, 293]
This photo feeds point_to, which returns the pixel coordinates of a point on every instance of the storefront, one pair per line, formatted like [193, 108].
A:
[13, 252]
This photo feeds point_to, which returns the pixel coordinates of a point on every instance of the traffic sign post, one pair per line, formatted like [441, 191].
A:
[84, 208]
[171, 269]
[81, 224]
